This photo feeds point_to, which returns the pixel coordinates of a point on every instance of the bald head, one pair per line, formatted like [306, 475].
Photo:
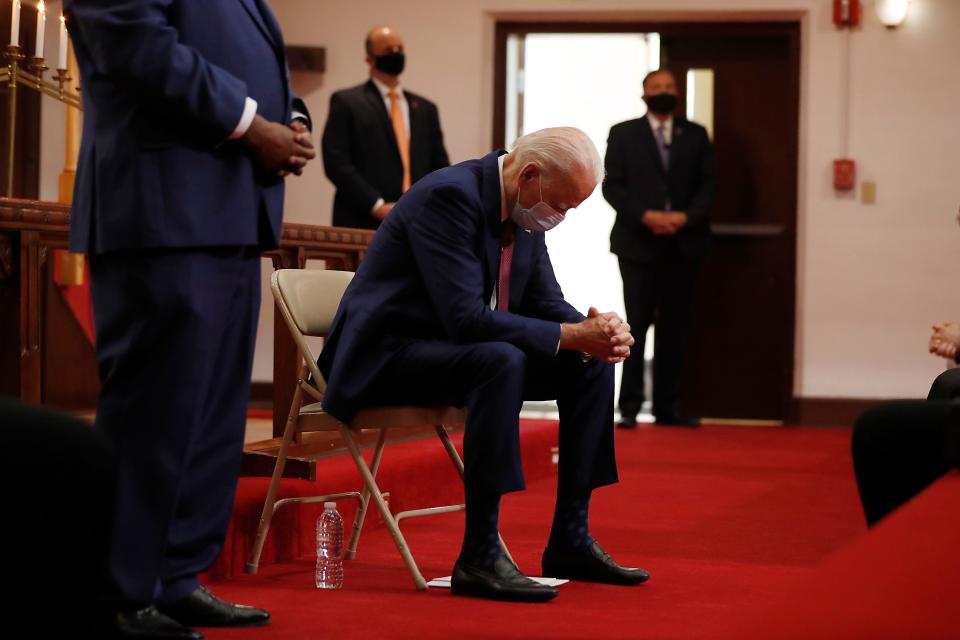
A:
[383, 40]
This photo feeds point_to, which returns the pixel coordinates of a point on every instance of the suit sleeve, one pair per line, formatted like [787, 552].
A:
[543, 297]
[133, 40]
[299, 111]
[706, 185]
[338, 160]
[615, 186]
[441, 238]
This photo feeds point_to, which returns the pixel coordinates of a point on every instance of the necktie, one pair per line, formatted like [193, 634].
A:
[400, 130]
[662, 146]
[506, 259]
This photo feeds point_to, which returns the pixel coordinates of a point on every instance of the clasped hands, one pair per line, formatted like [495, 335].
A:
[601, 335]
[664, 223]
[279, 149]
[945, 340]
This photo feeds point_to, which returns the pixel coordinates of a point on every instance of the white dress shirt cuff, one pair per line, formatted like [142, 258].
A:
[376, 205]
[249, 113]
[296, 115]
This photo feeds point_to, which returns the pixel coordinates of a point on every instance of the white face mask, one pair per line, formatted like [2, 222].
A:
[540, 217]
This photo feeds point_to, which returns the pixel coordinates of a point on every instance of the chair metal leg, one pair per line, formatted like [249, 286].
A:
[351, 552]
[371, 485]
[458, 464]
[268, 505]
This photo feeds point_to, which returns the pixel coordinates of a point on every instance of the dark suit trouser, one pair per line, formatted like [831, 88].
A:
[58, 517]
[899, 448]
[657, 292]
[175, 337]
[492, 379]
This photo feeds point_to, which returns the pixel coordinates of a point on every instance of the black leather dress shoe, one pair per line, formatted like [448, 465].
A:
[676, 420]
[591, 565]
[627, 422]
[203, 609]
[148, 624]
[503, 582]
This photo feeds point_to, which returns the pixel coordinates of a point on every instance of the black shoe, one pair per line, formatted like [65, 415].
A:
[676, 420]
[591, 565]
[503, 582]
[203, 609]
[627, 422]
[148, 624]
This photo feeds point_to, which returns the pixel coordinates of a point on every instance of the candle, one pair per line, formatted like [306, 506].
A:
[41, 24]
[15, 23]
[62, 60]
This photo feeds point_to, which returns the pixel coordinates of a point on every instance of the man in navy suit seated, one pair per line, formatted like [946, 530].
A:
[189, 130]
[456, 303]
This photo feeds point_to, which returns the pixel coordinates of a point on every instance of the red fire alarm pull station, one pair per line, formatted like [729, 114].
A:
[844, 174]
[846, 13]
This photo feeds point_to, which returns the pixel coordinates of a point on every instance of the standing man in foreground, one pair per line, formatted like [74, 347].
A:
[456, 303]
[660, 180]
[379, 138]
[188, 132]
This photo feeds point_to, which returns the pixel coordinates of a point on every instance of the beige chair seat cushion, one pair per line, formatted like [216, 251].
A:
[314, 418]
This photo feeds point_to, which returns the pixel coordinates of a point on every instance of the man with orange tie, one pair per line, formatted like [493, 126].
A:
[379, 138]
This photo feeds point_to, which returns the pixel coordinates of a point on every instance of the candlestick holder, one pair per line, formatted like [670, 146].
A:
[14, 75]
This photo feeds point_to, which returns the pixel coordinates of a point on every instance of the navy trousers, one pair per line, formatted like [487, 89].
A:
[492, 379]
[175, 338]
[659, 292]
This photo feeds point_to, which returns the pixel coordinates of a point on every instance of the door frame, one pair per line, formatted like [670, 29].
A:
[788, 25]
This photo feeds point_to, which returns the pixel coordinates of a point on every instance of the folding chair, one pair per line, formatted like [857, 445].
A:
[308, 301]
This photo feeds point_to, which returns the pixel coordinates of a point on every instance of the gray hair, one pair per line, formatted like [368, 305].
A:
[560, 149]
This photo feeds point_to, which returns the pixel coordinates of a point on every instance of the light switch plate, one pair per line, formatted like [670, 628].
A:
[868, 192]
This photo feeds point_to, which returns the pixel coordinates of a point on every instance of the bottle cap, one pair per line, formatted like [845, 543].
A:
[329, 506]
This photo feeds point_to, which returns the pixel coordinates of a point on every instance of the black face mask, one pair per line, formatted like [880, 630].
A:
[390, 63]
[661, 102]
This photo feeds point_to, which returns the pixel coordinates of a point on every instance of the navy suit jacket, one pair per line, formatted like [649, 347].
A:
[164, 85]
[429, 274]
[361, 156]
[637, 181]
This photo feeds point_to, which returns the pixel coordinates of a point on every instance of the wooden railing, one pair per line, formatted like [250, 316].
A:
[30, 230]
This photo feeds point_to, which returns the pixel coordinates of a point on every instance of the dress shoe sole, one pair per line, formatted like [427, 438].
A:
[505, 595]
[614, 579]
[223, 624]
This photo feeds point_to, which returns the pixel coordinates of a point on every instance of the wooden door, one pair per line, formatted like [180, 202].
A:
[741, 350]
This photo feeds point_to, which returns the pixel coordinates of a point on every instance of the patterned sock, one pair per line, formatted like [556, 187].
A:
[481, 540]
[570, 531]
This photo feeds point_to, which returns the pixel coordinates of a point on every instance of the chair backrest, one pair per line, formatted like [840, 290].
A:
[308, 302]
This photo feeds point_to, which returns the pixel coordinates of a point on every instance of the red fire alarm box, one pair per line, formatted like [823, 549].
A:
[844, 174]
[846, 13]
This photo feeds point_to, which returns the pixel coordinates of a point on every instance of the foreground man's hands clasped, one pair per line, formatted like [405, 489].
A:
[602, 335]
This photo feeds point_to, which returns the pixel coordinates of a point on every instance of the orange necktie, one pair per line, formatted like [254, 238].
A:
[403, 142]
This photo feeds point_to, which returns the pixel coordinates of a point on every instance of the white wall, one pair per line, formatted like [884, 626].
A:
[871, 279]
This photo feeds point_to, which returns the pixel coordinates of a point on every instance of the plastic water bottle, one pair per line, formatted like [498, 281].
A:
[329, 548]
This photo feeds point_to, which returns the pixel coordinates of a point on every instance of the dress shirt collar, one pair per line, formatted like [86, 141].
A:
[384, 89]
[667, 127]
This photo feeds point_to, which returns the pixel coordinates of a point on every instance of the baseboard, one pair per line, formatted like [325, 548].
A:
[804, 412]
[828, 412]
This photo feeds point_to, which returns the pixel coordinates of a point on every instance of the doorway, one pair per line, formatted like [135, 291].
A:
[742, 81]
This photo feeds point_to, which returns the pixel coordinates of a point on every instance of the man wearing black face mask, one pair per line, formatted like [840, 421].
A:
[379, 138]
[660, 180]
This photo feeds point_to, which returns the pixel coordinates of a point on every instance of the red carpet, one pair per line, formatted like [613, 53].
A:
[726, 519]
[900, 581]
